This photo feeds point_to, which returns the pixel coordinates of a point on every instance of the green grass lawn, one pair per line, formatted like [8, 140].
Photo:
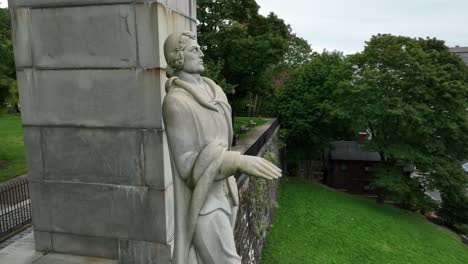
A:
[239, 121]
[315, 224]
[12, 159]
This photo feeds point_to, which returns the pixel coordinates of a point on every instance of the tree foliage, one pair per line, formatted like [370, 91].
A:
[411, 95]
[243, 45]
[309, 107]
[8, 88]
[299, 51]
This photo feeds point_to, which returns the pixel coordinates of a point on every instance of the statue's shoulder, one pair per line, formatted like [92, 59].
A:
[176, 97]
[174, 90]
[212, 83]
[217, 88]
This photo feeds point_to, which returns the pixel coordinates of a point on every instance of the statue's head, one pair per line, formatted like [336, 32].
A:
[183, 53]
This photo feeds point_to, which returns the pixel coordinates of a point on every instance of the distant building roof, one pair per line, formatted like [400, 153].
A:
[351, 150]
[462, 51]
[459, 49]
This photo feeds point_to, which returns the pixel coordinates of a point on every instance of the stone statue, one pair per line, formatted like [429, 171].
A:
[197, 118]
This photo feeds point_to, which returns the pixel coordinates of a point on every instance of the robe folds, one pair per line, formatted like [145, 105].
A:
[199, 131]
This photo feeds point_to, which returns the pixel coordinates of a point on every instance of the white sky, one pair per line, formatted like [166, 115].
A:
[345, 24]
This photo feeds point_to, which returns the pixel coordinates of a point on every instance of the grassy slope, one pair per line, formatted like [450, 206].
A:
[12, 159]
[314, 224]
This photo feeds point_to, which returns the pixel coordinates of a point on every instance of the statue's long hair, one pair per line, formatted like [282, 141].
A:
[175, 57]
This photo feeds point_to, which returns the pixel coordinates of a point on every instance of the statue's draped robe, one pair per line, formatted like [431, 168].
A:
[199, 131]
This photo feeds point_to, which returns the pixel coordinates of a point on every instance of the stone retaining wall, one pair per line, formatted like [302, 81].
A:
[258, 201]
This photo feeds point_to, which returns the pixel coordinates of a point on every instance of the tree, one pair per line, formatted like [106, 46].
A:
[310, 107]
[243, 45]
[8, 88]
[411, 95]
[299, 51]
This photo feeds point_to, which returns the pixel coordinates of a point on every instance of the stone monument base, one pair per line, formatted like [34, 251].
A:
[22, 252]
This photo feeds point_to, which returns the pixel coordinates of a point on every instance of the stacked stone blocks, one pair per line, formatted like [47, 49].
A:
[91, 78]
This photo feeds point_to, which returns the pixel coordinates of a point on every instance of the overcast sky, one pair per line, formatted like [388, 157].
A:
[345, 24]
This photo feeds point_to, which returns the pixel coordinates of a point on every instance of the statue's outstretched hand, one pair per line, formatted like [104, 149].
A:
[258, 167]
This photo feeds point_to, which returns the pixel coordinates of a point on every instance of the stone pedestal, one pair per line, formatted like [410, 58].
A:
[91, 77]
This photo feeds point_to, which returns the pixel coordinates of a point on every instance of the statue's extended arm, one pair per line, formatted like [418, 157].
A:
[185, 151]
[258, 167]
[250, 165]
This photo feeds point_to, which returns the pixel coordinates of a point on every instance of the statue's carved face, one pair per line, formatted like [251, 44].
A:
[193, 58]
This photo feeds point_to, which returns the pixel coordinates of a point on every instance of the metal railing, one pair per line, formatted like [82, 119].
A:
[256, 147]
[262, 140]
[15, 208]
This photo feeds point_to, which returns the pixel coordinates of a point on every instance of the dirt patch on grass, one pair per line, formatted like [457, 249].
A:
[3, 164]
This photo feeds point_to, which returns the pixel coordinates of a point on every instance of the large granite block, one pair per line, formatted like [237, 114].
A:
[157, 166]
[20, 19]
[92, 98]
[85, 245]
[112, 211]
[40, 211]
[142, 252]
[178, 23]
[33, 144]
[93, 155]
[193, 9]
[84, 37]
[55, 3]
[100, 36]
[182, 6]
[154, 24]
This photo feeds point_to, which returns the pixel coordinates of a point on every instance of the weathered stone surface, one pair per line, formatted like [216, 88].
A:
[20, 19]
[111, 156]
[157, 166]
[84, 37]
[181, 6]
[71, 259]
[43, 241]
[100, 36]
[154, 24]
[55, 3]
[113, 211]
[91, 83]
[93, 155]
[257, 203]
[193, 9]
[85, 245]
[93, 98]
[41, 219]
[32, 141]
[142, 252]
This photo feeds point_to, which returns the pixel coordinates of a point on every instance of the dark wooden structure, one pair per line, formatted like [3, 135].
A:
[348, 167]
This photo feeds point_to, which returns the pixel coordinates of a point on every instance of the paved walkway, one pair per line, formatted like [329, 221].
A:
[16, 237]
[21, 251]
